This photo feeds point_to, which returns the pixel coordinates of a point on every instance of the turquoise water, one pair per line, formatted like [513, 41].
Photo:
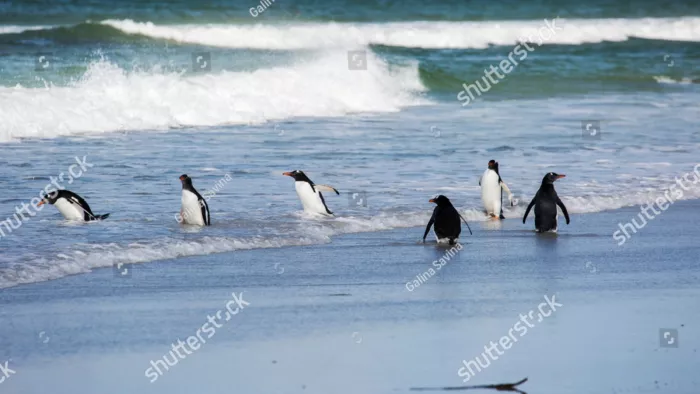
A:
[182, 11]
[600, 46]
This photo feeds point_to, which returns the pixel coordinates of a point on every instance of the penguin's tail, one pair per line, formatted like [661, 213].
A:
[501, 216]
[101, 217]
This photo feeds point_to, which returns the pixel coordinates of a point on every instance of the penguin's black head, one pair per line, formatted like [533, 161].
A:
[49, 199]
[186, 181]
[551, 177]
[441, 201]
[298, 175]
[493, 165]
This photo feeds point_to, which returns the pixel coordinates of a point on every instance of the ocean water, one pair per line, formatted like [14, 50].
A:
[148, 91]
[363, 96]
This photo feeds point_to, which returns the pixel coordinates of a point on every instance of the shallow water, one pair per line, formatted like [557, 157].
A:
[392, 163]
[341, 318]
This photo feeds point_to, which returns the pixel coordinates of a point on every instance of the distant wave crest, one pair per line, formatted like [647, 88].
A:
[415, 34]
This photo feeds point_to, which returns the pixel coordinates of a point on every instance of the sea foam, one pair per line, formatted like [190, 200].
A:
[107, 98]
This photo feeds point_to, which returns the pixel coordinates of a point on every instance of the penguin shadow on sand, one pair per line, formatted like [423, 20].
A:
[546, 243]
[512, 387]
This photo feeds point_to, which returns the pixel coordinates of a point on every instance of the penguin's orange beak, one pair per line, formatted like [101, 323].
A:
[561, 176]
[287, 173]
[182, 177]
[431, 200]
[40, 203]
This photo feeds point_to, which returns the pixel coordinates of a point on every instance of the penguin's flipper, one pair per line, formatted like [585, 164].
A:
[507, 190]
[101, 217]
[205, 210]
[323, 200]
[563, 209]
[327, 188]
[427, 228]
[465, 222]
[529, 207]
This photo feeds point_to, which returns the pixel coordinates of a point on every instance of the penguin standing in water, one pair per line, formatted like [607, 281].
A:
[492, 187]
[446, 220]
[546, 201]
[194, 207]
[310, 193]
[71, 206]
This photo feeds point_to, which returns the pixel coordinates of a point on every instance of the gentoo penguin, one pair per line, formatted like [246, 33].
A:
[71, 206]
[310, 193]
[492, 187]
[545, 202]
[446, 220]
[194, 208]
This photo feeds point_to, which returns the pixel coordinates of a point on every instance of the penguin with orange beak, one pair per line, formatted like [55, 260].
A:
[445, 220]
[71, 206]
[195, 210]
[310, 193]
[545, 202]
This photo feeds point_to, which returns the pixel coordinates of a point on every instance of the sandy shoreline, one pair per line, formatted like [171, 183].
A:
[318, 312]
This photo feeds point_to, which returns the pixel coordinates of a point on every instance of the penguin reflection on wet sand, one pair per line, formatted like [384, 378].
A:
[194, 208]
[545, 202]
[310, 194]
[71, 206]
[446, 222]
[492, 187]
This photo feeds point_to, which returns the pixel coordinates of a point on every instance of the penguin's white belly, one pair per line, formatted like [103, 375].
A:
[69, 210]
[191, 211]
[491, 192]
[309, 199]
